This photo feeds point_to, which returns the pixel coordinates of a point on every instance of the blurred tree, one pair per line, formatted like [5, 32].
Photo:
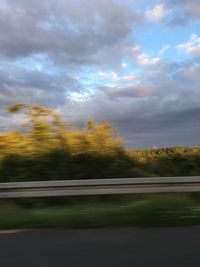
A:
[47, 148]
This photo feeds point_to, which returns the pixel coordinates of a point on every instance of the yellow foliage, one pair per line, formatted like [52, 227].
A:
[47, 131]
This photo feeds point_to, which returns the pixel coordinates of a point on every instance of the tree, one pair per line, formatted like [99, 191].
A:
[43, 126]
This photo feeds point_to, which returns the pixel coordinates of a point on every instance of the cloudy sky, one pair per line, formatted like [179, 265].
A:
[134, 63]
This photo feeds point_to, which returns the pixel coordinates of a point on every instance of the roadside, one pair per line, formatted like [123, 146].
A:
[83, 212]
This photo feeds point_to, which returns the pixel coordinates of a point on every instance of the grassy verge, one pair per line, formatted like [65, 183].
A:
[137, 210]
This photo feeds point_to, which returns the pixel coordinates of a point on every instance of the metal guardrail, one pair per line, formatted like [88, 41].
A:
[99, 187]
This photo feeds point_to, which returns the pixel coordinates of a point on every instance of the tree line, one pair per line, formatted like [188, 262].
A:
[47, 148]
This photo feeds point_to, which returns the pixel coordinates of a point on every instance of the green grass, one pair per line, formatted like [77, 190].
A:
[137, 210]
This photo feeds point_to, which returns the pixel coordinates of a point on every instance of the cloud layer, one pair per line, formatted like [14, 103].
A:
[133, 64]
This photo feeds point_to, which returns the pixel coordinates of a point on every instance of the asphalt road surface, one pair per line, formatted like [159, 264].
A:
[135, 247]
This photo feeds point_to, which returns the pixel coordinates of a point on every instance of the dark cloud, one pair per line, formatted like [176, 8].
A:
[183, 11]
[20, 84]
[131, 91]
[178, 128]
[166, 114]
[69, 32]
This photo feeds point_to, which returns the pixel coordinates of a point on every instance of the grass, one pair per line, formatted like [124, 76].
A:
[134, 210]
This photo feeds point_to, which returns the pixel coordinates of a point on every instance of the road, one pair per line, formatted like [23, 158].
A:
[135, 247]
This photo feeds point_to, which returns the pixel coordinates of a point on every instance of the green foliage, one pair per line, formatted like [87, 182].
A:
[49, 149]
[138, 210]
[174, 161]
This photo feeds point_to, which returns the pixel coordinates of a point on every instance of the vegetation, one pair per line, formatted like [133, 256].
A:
[46, 148]
[137, 210]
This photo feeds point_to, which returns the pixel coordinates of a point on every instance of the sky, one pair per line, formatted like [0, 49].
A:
[134, 63]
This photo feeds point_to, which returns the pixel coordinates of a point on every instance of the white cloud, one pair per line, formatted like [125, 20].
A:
[145, 59]
[78, 97]
[129, 77]
[158, 12]
[109, 75]
[123, 65]
[114, 77]
[192, 46]
[163, 49]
